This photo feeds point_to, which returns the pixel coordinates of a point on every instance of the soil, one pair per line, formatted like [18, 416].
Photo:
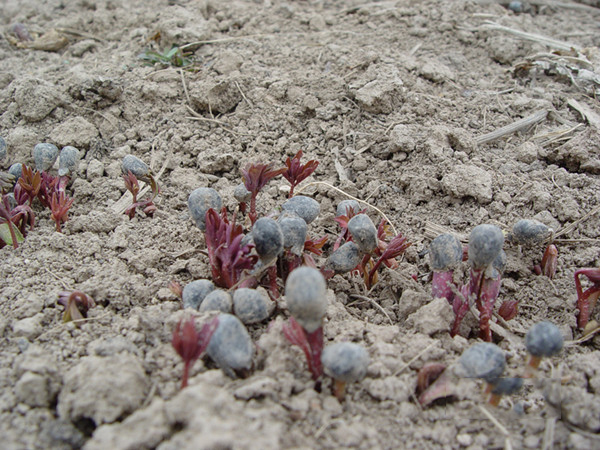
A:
[392, 98]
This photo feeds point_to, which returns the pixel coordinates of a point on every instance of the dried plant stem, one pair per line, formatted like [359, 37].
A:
[519, 125]
[314, 183]
[574, 225]
[417, 356]
[540, 39]
[374, 303]
[502, 428]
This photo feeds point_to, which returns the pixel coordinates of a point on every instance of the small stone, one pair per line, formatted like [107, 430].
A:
[464, 439]
[305, 207]
[252, 305]
[527, 152]
[434, 317]
[33, 390]
[75, 131]
[216, 96]
[380, 96]
[44, 156]
[36, 99]
[468, 181]
[29, 328]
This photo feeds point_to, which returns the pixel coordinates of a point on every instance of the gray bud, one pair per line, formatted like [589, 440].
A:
[445, 252]
[195, 292]
[44, 156]
[230, 346]
[294, 231]
[241, 194]
[217, 300]
[16, 170]
[529, 232]
[68, 160]
[345, 361]
[483, 360]
[134, 165]
[344, 206]
[544, 339]
[344, 259]
[268, 239]
[306, 296]
[200, 201]
[305, 207]
[252, 305]
[363, 232]
[485, 243]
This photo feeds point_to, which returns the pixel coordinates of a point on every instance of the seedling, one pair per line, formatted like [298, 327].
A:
[503, 386]
[147, 206]
[200, 201]
[549, 261]
[268, 242]
[346, 363]
[169, 57]
[76, 305]
[60, 205]
[508, 309]
[297, 172]
[445, 253]
[305, 292]
[433, 383]
[190, 344]
[586, 300]
[228, 257]
[530, 232]
[483, 360]
[9, 233]
[255, 177]
[543, 340]
[345, 211]
[231, 347]
[386, 253]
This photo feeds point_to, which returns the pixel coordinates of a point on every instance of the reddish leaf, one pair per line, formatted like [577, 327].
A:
[297, 172]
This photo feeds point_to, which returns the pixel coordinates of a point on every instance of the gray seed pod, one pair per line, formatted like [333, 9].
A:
[344, 259]
[305, 207]
[485, 243]
[445, 252]
[483, 360]
[241, 194]
[134, 165]
[230, 346]
[529, 232]
[363, 232]
[268, 239]
[294, 231]
[345, 361]
[344, 205]
[68, 160]
[252, 305]
[3, 152]
[544, 340]
[200, 201]
[305, 292]
[506, 386]
[195, 292]
[217, 300]
[16, 170]
[44, 156]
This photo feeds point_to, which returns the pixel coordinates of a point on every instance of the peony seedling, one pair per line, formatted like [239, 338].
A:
[297, 172]
[543, 340]
[59, 205]
[346, 363]
[305, 292]
[586, 300]
[200, 201]
[445, 253]
[190, 344]
[503, 386]
[482, 360]
[76, 305]
[255, 177]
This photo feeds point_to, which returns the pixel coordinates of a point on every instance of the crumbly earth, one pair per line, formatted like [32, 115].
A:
[391, 98]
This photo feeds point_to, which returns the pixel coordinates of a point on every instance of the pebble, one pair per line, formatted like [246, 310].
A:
[95, 169]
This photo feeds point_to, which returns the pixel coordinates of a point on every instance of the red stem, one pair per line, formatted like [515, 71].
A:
[186, 371]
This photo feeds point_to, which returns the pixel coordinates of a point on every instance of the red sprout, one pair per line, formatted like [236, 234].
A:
[310, 343]
[190, 344]
[60, 205]
[549, 261]
[6, 217]
[586, 300]
[76, 305]
[508, 309]
[147, 206]
[296, 172]
[255, 177]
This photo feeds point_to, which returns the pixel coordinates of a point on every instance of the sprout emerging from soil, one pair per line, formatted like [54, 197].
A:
[296, 172]
[543, 340]
[586, 300]
[190, 344]
[549, 261]
[485, 243]
[44, 156]
[348, 208]
[200, 201]
[503, 386]
[76, 305]
[252, 305]
[231, 347]
[294, 230]
[445, 253]
[242, 195]
[195, 292]
[305, 207]
[268, 239]
[134, 168]
[345, 362]
[255, 177]
[305, 292]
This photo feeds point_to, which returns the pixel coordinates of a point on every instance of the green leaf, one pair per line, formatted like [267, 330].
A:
[5, 234]
[171, 53]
